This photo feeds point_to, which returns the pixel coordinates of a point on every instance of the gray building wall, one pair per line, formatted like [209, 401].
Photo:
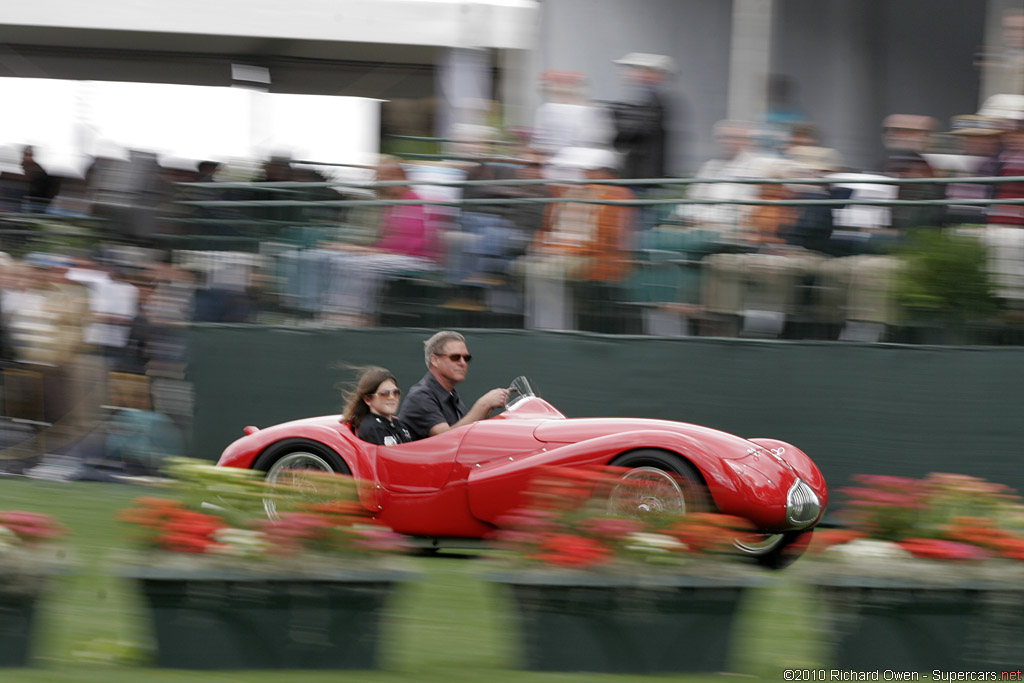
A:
[587, 35]
[856, 61]
[853, 61]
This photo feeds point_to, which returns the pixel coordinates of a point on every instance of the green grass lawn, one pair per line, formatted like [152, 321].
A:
[449, 626]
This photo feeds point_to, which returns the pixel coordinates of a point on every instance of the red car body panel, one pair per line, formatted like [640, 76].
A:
[460, 483]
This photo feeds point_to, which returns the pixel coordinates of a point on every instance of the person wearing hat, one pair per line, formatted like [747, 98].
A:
[906, 137]
[1011, 164]
[1004, 234]
[980, 141]
[640, 123]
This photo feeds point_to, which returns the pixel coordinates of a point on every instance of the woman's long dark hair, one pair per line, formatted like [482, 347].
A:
[355, 407]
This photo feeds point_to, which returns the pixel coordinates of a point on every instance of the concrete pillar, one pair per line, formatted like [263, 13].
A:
[464, 88]
[750, 58]
[992, 75]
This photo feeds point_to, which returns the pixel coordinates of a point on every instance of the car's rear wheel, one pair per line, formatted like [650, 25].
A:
[284, 460]
[657, 483]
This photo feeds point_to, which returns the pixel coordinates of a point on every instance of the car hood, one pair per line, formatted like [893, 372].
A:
[580, 429]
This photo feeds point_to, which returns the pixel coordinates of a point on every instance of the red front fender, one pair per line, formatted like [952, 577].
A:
[497, 488]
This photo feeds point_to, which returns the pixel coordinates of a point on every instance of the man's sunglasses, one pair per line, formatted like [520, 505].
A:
[455, 357]
[388, 393]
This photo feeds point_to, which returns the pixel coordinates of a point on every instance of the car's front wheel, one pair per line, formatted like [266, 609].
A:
[657, 483]
[775, 551]
[284, 462]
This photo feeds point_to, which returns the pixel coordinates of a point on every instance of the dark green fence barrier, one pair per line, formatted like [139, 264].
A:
[881, 409]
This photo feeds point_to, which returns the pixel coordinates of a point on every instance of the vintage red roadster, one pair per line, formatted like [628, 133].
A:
[459, 484]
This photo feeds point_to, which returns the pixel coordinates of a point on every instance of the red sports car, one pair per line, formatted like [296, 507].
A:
[459, 484]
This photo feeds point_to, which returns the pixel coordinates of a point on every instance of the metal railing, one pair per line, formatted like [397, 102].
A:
[672, 286]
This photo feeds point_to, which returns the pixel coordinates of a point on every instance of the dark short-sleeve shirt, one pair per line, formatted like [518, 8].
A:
[428, 404]
[380, 430]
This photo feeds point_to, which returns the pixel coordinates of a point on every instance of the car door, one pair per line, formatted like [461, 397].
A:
[419, 466]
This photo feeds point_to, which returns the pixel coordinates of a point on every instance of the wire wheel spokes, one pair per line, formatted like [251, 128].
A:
[288, 472]
[647, 491]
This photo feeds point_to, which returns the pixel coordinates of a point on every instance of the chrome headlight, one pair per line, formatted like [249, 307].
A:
[802, 504]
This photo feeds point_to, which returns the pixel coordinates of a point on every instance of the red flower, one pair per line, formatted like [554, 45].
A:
[1012, 548]
[938, 549]
[31, 527]
[185, 542]
[566, 550]
[614, 528]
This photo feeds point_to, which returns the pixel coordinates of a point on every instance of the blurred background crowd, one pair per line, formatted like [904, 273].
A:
[577, 221]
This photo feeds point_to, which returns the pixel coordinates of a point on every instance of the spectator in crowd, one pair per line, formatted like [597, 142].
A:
[168, 310]
[433, 406]
[784, 114]
[740, 160]
[113, 305]
[206, 171]
[811, 226]
[802, 134]
[372, 408]
[906, 138]
[279, 168]
[407, 243]
[404, 229]
[486, 167]
[529, 217]
[12, 182]
[767, 222]
[641, 122]
[47, 314]
[907, 133]
[979, 141]
[125, 193]
[567, 118]
[581, 242]
[41, 187]
[1004, 235]
[8, 278]
[1010, 163]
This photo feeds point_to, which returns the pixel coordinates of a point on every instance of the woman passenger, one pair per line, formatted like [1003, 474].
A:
[372, 408]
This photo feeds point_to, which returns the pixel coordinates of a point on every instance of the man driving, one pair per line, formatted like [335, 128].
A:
[432, 405]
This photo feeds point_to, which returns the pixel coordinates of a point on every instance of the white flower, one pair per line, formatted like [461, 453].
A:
[866, 549]
[653, 542]
[239, 542]
[8, 539]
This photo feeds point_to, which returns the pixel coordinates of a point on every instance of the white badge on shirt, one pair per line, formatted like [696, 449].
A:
[390, 440]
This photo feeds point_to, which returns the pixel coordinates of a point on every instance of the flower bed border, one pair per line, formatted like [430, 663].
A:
[214, 618]
[625, 623]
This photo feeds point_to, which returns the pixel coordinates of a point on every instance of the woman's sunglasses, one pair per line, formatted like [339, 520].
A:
[388, 393]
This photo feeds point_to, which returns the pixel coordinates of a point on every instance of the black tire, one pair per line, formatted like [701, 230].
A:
[295, 454]
[777, 551]
[673, 485]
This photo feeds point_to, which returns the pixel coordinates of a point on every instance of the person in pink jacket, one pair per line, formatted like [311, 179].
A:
[404, 228]
[407, 243]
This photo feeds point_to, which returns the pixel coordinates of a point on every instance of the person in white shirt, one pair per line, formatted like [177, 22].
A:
[740, 159]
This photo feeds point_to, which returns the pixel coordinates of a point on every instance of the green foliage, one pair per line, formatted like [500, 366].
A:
[945, 275]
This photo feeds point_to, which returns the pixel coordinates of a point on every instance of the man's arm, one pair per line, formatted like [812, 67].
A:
[495, 398]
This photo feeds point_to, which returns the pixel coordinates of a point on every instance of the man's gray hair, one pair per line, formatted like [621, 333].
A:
[435, 345]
